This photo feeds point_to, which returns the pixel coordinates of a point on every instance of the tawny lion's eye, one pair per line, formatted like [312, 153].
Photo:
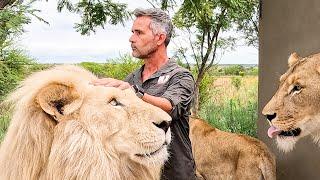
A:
[296, 88]
[114, 102]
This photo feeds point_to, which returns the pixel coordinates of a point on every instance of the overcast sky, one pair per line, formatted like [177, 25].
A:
[60, 43]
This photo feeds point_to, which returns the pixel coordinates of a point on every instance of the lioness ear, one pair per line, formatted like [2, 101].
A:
[59, 100]
[294, 57]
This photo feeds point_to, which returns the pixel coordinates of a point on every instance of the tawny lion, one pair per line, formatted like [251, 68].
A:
[64, 128]
[227, 156]
[293, 112]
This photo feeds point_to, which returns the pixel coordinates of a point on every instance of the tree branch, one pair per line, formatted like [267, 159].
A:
[4, 3]
[193, 51]
[151, 4]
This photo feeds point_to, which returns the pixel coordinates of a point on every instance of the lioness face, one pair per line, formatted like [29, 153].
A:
[136, 129]
[293, 112]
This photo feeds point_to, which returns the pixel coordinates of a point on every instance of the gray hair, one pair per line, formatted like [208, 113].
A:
[160, 21]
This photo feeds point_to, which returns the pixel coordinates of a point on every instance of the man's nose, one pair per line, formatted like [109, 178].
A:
[131, 39]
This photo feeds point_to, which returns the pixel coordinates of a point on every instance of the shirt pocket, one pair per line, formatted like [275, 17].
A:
[157, 89]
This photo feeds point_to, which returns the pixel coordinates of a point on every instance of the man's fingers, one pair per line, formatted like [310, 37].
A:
[110, 82]
[113, 84]
[124, 86]
[102, 82]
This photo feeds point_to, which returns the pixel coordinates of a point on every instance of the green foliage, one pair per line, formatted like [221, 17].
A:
[236, 82]
[253, 71]
[12, 19]
[232, 116]
[4, 122]
[234, 70]
[205, 89]
[95, 68]
[234, 112]
[249, 25]
[12, 70]
[205, 20]
[117, 68]
[121, 67]
[95, 13]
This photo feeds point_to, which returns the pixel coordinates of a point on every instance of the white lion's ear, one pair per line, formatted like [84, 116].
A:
[294, 57]
[59, 100]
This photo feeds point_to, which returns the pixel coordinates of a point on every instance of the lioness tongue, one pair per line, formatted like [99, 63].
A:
[273, 131]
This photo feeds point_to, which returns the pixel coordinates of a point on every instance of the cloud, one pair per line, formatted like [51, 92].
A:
[59, 42]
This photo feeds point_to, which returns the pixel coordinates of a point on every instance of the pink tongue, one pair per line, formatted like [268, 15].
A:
[273, 131]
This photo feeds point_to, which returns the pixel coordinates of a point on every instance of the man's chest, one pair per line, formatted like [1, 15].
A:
[155, 86]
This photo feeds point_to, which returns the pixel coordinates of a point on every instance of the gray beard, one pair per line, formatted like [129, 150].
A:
[148, 53]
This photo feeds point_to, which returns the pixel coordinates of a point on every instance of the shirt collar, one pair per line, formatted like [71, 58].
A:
[169, 66]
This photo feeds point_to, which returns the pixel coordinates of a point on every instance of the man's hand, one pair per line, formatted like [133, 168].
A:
[110, 82]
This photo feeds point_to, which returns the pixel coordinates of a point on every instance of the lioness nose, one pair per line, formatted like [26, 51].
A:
[163, 125]
[270, 117]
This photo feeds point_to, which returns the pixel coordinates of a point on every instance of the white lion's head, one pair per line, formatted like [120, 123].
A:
[64, 128]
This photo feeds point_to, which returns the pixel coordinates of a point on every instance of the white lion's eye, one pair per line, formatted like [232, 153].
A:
[114, 102]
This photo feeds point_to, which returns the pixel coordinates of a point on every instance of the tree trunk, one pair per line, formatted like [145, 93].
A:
[196, 102]
[4, 3]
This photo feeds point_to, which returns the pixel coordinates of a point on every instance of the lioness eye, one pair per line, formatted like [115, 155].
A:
[296, 88]
[114, 102]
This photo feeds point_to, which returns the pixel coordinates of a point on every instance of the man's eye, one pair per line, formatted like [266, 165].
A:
[114, 102]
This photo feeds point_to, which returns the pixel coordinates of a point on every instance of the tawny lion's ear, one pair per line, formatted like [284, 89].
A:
[294, 57]
[59, 100]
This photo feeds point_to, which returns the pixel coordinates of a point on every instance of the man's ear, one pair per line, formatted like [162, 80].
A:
[59, 100]
[162, 38]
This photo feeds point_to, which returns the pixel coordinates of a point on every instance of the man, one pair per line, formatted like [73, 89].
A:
[161, 82]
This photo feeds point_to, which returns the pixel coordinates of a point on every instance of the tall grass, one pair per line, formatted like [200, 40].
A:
[4, 122]
[233, 106]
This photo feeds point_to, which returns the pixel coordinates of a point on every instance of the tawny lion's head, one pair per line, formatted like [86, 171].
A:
[63, 127]
[293, 112]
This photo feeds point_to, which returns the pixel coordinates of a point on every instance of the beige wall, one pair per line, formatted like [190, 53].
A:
[287, 26]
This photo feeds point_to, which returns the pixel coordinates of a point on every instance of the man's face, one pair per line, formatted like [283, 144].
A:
[143, 41]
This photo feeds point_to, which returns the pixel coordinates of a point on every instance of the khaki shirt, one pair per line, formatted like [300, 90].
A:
[177, 85]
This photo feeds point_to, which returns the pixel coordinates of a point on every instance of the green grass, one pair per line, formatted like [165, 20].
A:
[233, 106]
[4, 122]
[232, 116]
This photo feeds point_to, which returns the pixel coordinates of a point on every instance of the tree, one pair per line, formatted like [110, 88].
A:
[13, 16]
[207, 19]
[4, 3]
[95, 13]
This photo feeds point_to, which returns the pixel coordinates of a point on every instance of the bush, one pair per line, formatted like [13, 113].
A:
[121, 67]
[236, 82]
[95, 68]
[253, 71]
[13, 68]
[4, 122]
[117, 68]
[232, 116]
[205, 89]
[234, 70]
[233, 110]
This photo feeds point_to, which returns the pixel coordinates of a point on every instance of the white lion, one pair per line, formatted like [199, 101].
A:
[64, 128]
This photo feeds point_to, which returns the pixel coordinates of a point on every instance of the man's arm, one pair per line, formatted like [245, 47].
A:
[180, 93]
[160, 102]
